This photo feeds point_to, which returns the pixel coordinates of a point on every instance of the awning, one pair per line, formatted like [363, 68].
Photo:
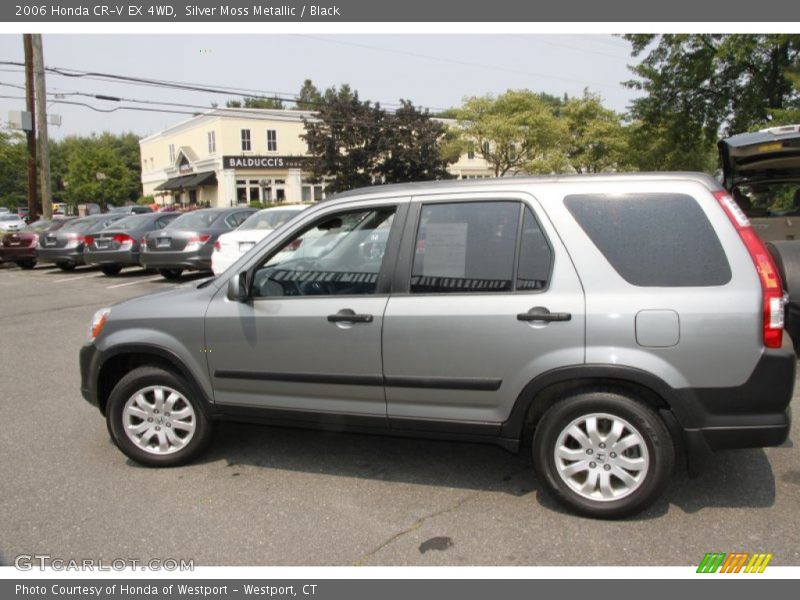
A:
[188, 181]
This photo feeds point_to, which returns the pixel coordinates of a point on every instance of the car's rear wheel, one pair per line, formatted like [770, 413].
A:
[171, 274]
[603, 454]
[26, 264]
[111, 270]
[155, 418]
[66, 266]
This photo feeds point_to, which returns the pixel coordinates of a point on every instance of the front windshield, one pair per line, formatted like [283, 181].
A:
[9, 218]
[268, 219]
[201, 219]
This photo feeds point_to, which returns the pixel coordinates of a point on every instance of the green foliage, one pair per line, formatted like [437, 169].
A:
[309, 98]
[259, 102]
[516, 131]
[76, 161]
[357, 143]
[699, 87]
[13, 169]
[145, 200]
[256, 204]
[596, 141]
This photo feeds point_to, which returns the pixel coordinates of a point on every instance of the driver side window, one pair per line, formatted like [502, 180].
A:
[340, 254]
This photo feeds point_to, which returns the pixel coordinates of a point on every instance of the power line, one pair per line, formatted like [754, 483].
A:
[454, 61]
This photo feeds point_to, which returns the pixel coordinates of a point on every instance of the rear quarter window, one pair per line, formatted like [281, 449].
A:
[653, 240]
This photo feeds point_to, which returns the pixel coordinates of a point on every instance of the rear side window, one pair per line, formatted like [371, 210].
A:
[662, 240]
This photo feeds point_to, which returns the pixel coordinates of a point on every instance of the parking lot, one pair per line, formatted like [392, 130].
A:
[268, 496]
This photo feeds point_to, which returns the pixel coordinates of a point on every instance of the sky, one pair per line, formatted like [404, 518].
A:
[435, 70]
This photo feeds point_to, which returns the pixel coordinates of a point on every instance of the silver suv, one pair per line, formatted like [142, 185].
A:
[606, 321]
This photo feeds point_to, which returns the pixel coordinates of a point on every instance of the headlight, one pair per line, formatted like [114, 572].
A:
[98, 322]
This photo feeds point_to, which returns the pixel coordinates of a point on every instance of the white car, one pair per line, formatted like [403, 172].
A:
[11, 222]
[230, 246]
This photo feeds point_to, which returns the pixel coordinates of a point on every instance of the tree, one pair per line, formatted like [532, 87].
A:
[13, 169]
[596, 140]
[309, 98]
[411, 146]
[256, 102]
[516, 131]
[788, 116]
[345, 139]
[357, 143]
[76, 162]
[700, 87]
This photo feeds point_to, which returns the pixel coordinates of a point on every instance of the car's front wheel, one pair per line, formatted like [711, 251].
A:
[603, 454]
[155, 418]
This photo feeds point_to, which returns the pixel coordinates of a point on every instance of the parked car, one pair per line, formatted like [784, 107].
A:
[20, 246]
[230, 246]
[607, 320]
[64, 247]
[188, 242]
[11, 222]
[119, 244]
[4, 210]
[135, 209]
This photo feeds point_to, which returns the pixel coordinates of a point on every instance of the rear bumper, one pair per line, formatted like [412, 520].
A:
[111, 257]
[756, 414]
[15, 253]
[176, 260]
[60, 255]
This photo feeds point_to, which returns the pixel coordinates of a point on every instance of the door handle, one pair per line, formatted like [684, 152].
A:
[349, 316]
[540, 313]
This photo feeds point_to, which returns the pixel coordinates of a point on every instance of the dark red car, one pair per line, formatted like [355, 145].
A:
[20, 246]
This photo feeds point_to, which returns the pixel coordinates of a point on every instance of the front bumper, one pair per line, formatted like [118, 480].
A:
[89, 359]
[196, 259]
[61, 255]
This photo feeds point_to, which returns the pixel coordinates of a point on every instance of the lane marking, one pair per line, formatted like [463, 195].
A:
[76, 278]
[138, 281]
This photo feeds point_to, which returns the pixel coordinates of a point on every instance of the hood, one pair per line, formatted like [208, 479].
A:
[770, 155]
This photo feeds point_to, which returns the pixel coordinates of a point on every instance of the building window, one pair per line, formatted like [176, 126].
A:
[246, 146]
[272, 140]
[171, 153]
[212, 142]
[485, 148]
[312, 192]
[470, 155]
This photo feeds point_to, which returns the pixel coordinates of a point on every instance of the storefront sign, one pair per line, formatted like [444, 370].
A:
[267, 162]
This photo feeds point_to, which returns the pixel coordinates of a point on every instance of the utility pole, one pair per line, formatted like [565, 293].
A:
[41, 119]
[33, 209]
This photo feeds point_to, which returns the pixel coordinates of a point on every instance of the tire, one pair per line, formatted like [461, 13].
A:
[577, 478]
[66, 266]
[111, 270]
[26, 264]
[176, 434]
[171, 274]
[786, 255]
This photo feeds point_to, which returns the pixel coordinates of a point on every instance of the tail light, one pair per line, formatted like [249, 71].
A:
[194, 241]
[73, 239]
[771, 286]
[89, 240]
[217, 246]
[123, 239]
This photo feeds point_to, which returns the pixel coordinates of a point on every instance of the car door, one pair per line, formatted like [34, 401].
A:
[485, 298]
[309, 339]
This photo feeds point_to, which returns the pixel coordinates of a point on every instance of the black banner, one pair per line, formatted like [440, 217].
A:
[343, 11]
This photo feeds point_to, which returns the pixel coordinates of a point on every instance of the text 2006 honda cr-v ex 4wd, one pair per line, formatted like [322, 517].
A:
[607, 321]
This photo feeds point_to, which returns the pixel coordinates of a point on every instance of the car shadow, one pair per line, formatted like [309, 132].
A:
[732, 479]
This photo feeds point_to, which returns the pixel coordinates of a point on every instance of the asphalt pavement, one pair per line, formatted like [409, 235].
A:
[270, 496]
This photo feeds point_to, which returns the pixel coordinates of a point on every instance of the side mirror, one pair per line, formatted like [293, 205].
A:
[238, 287]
